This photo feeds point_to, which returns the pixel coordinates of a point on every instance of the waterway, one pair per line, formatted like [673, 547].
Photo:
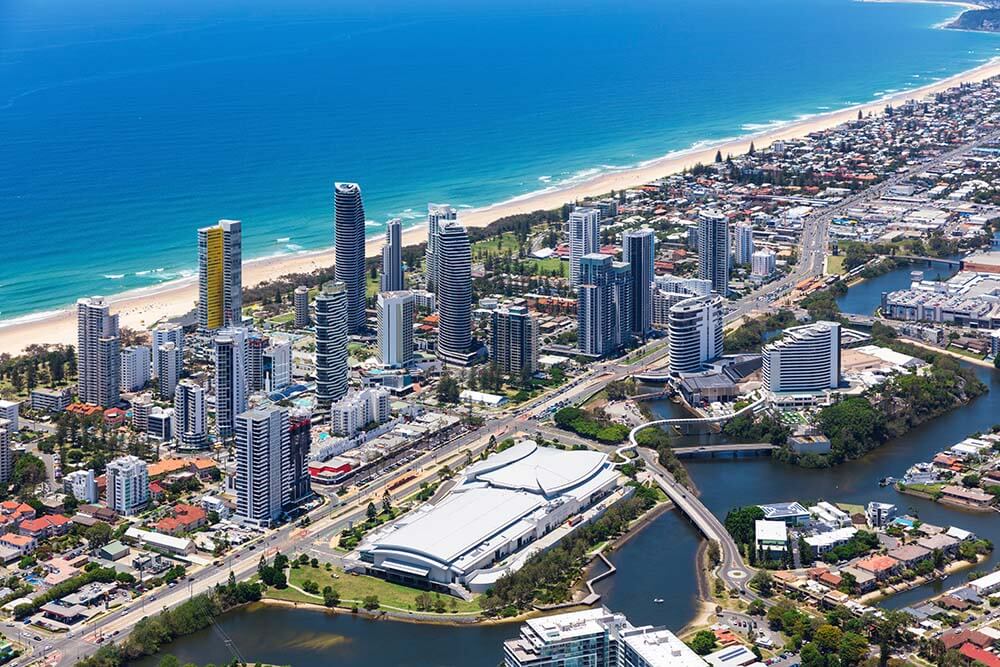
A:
[657, 562]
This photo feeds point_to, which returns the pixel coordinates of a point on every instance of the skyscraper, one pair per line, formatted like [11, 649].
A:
[455, 295]
[742, 243]
[190, 425]
[713, 249]
[256, 343]
[128, 485]
[806, 359]
[277, 365]
[331, 343]
[166, 333]
[437, 215]
[301, 298]
[350, 251]
[695, 333]
[97, 352]
[262, 441]
[603, 305]
[134, 367]
[763, 263]
[639, 250]
[514, 340]
[169, 371]
[230, 378]
[395, 328]
[584, 239]
[220, 275]
[295, 481]
[7, 430]
[392, 257]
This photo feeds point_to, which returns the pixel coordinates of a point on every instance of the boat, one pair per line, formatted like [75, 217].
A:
[658, 600]
[887, 481]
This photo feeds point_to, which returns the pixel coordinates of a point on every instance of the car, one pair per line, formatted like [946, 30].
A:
[37, 638]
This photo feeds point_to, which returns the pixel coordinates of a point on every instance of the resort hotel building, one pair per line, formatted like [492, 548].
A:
[596, 637]
[803, 364]
[523, 496]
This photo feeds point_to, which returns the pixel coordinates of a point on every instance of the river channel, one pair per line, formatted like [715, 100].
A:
[657, 562]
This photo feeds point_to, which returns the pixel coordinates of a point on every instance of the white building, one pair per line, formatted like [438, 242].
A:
[190, 424]
[584, 238]
[770, 537]
[160, 423]
[742, 243]
[597, 638]
[805, 359]
[395, 314]
[498, 508]
[97, 353]
[356, 411]
[230, 378]
[166, 333]
[82, 485]
[695, 333]
[301, 300]
[830, 515]
[763, 263]
[277, 365]
[10, 410]
[261, 439]
[135, 368]
[171, 361]
[128, 485]
[880, 515]
[331, 343]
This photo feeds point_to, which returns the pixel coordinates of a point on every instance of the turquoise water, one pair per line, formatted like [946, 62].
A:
[126, 126]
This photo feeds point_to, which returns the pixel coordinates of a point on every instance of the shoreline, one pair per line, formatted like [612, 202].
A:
[142, 308]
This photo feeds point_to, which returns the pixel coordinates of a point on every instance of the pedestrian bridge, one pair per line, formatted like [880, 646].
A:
[738, 450]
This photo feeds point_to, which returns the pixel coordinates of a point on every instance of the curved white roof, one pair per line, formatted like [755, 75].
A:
[544, 470]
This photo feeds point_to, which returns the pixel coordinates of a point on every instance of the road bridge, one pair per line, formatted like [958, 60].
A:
[725, 451]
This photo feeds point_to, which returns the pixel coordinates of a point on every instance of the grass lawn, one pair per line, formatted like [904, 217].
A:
[356, 587]
[652, 349]
[496, 245]
[284, 318]
[965, 353]
[929, 489]
[835, 264]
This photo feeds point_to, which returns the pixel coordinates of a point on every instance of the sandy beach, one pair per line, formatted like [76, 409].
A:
[141, 309]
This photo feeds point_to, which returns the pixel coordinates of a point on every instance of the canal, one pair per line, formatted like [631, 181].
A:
[657, 562]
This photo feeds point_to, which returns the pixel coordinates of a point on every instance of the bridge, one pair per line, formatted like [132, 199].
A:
[953, 263]
[652, 378]
[859, 320]
[725, 451]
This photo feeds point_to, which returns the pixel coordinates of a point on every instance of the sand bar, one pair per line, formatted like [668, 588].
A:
[140, 309]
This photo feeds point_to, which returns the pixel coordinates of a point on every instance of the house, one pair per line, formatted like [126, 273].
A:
[952, 603]
[910, 555]
[864, 582]
[156, 491]
[60, 569]
[952, 639]
[831, 579]
[22, 544]
[978, 655]
[881, 567]
[99, 512]
[944, 543]
[879, 515]
[183, 519]
[959, 495]
[114, 417]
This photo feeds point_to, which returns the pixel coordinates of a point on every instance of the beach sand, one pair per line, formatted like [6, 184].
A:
[141, 309]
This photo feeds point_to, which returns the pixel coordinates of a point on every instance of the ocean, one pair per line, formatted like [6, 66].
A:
[125, 126]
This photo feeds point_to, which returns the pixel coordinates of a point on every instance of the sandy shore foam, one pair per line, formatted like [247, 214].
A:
[140, 309]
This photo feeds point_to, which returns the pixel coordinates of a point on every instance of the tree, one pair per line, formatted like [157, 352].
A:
[827, 638]
[718, 156]
[370, 602]
[853, 649]
[763, 582]
[98, 535]
[447, 389]
[29, 470]
[372, 511]
[811, 657]
[386, 502]
[331, 598]
[703, 643]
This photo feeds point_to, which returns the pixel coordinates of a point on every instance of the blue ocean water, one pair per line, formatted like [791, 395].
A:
[125, 126]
